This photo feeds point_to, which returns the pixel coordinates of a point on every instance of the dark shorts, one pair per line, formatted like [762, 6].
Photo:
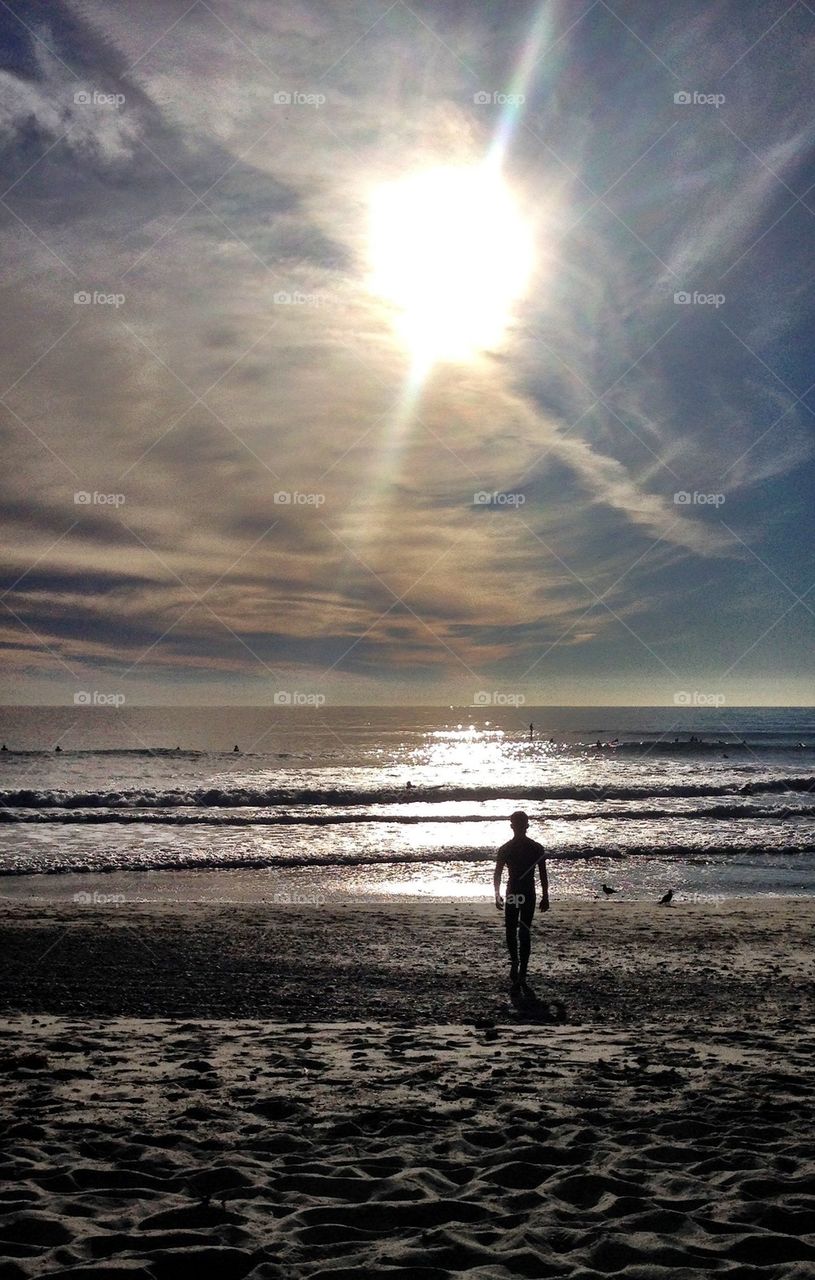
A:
[519, 907]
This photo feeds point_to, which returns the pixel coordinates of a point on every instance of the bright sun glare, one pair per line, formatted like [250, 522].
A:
[451, 251]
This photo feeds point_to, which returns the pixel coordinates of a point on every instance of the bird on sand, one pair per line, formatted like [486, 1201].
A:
[607, 890]
[665, 900]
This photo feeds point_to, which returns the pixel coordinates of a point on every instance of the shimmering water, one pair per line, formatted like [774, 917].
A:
[709, 802]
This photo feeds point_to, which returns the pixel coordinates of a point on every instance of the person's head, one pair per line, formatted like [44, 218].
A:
[519, 822]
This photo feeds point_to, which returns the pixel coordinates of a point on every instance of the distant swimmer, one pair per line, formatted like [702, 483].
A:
[236, 747]
[607, 890]
[57, 747]
[520, 856]
[408, 785]
[665, 900]
[4, 747]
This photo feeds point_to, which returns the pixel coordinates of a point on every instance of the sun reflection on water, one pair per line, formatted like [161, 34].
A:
[473, 750]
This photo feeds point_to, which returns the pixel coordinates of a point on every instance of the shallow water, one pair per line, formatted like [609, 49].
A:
[620, 794]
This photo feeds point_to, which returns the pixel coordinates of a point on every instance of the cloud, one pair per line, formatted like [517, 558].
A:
[249, 357]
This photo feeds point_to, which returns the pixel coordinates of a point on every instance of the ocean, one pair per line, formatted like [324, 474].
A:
[320, 804]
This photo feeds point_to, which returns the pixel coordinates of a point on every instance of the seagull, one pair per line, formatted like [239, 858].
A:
[665, 900]
[607, 890]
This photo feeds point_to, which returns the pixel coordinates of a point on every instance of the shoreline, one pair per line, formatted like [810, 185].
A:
[601, 963]
[574, 878]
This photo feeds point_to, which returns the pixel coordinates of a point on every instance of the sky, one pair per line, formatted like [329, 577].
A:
[232, 475]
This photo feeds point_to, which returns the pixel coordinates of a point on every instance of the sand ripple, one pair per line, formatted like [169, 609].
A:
[489, 1152]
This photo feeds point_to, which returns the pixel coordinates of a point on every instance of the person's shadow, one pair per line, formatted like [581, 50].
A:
[533, 1009]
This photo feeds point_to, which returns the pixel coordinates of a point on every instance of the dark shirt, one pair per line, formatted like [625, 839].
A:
[521, 856]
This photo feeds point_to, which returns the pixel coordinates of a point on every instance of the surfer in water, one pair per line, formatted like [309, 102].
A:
[520, 856]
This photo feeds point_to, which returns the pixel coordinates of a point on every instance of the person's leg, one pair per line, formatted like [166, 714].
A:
[527, 914]
[511, 925]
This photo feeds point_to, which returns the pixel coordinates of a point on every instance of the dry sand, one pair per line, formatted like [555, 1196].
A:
[195, 1090]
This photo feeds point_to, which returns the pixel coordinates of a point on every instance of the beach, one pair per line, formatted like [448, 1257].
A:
[608, 963]
[408, 519]
[278, 1091]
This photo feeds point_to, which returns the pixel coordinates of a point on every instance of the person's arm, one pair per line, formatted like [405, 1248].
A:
[544, 904]
[496, 882]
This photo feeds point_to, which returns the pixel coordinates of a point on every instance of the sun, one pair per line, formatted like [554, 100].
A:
[451, 251]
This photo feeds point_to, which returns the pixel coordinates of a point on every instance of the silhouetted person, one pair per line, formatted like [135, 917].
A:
[57, 747]
[236, 747]
[531, 730]
[520, 856]
[665, 900]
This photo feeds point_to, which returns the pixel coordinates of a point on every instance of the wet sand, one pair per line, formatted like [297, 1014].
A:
[605, 963]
